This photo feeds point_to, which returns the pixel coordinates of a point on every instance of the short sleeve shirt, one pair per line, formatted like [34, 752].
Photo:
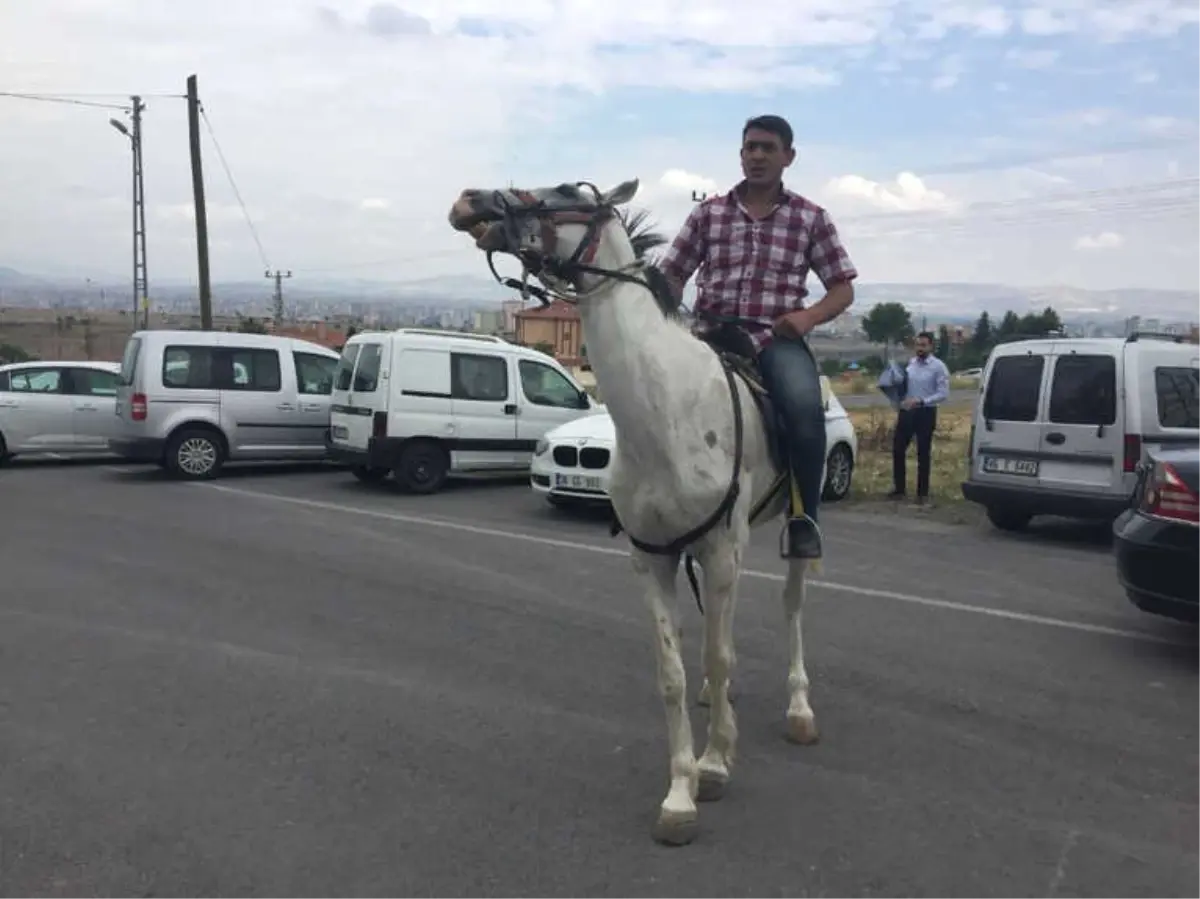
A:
[755, 270]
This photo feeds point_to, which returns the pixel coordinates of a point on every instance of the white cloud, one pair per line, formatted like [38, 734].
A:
[1105, 240]
[1031, 59]
[375, 204]
[908, 193]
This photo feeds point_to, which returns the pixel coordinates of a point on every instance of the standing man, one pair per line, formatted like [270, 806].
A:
[927, 384]
[754, 247]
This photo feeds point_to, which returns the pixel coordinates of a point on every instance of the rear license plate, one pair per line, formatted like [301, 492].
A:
[340, 433]
[1026, 468]
[577, 481]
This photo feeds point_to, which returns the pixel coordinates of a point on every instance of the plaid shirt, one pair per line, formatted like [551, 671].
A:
[755, 270]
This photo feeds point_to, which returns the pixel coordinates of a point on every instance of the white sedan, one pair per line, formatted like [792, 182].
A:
[571, 462]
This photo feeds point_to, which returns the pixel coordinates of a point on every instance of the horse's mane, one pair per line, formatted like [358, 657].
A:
[643, 237]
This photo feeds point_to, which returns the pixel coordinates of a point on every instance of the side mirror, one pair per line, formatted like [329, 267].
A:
[585, 401]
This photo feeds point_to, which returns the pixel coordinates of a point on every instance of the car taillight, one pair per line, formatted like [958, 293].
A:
[137, 407]
[379, 425]
[1133, 452]
[1167, 496]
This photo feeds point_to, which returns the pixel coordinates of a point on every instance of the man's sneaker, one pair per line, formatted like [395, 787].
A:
[896, 494]
[801, 539]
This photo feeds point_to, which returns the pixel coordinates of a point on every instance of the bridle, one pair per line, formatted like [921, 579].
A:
[543, 263]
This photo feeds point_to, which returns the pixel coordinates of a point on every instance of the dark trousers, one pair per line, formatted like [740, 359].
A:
[791, 376]
[920, 423]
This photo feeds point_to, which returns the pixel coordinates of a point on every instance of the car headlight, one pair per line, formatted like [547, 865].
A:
[542, 446]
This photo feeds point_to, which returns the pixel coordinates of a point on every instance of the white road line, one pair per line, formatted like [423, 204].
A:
[521, 536]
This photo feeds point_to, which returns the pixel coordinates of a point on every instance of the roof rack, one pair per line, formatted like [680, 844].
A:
[465, 335]
[1154, 335]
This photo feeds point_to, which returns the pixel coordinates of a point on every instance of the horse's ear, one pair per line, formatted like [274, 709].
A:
[622, 193]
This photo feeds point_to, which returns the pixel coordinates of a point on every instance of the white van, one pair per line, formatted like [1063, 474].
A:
[1063, 423]
[425, 404]
[192, 400]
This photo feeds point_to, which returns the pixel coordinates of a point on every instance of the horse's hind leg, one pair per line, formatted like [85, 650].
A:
[678, 817]
[720, 600]
[801, 724]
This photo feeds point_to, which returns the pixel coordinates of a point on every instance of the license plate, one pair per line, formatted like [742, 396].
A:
[1026, 468]
[340, 433]
[577, 481]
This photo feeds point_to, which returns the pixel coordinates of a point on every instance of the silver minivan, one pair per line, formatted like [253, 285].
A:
[1064, 423]
[192, 400]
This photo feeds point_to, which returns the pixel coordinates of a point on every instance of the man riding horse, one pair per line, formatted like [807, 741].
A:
[754, 247]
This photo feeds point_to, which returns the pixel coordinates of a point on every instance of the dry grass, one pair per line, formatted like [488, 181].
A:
[860, 384]
[873, 471]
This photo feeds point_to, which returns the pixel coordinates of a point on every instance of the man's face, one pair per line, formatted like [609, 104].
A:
[764, 158]
[924, 346]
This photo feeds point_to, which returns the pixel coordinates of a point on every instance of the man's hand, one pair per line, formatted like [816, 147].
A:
[910, 403]
[795, 324]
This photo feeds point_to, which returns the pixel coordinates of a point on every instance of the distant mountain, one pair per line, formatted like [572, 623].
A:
[948, 301]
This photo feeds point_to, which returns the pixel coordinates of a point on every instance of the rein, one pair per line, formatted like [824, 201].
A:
[544, 264]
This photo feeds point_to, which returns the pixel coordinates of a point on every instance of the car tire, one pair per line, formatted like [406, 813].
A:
[839, 472]
[3, 451]
[369, 475]
[1007, 519]
[423, 467]
[195, 454]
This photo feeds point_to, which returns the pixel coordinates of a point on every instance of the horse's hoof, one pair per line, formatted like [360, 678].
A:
[712, 786]
[676, 829]
[802, 730]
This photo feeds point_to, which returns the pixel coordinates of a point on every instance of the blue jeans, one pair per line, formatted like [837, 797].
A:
[794, 382]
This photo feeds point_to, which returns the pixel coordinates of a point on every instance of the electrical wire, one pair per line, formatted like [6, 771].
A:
[262, 255]
[61, 98]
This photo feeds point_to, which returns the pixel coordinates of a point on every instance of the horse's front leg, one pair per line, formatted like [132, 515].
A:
[801, 723]
[721, 570]
[678, 819]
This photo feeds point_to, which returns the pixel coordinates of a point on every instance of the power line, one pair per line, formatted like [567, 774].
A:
[233, 184]
[51, 98]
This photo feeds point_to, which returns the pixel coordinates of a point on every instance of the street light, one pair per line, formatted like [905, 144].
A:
[141, 295]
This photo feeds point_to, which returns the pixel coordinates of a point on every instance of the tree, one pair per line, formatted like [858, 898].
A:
[1010, 327]
[981, 339]
[888, 323]
[250, 325]
[943, 343]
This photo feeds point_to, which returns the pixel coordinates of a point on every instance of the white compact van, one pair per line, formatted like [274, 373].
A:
[424, 404]
[1063, 423]
[192, 400]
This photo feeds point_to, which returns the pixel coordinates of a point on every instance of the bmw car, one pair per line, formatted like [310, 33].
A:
[571, 462]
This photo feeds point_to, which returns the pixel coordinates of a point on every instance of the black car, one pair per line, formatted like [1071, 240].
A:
[1157, 536]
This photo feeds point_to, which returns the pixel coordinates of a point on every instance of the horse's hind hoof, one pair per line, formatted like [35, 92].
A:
[676, 829]
[802, 730]
[711, 788]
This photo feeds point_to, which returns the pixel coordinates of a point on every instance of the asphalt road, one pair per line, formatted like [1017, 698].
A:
[285, 683]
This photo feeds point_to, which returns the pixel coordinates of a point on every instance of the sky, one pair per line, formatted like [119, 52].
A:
[1039, 142]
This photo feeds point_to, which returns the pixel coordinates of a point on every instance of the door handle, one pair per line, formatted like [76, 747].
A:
[510, 408]
[285, 407]
[1056, 438]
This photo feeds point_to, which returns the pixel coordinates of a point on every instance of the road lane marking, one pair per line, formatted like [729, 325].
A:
[874, 593]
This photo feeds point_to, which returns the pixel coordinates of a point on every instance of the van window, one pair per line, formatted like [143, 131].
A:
[314, 374]
[189, 368]
[1176, 391]
[543, 386]
[366, 376]
[255, 370]
[1084, 390]
[1013, 389]
[478, 377]
[346, 366]
[129, 360]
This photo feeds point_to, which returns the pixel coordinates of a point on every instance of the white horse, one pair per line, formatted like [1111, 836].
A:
[692, 472]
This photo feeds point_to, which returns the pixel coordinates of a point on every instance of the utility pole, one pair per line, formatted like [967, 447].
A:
[699, 196]
[193, 102]
[141, 287]
[278, 276]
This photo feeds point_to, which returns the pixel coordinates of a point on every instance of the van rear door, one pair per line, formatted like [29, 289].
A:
[1008, 429]
[1084, 432]
[126, 387]
[358, 392]
[1168, 393]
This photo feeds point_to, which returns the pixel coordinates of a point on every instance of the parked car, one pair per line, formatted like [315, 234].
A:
[424, 404]
[1064, 423]
[192, 400]
[1156, 538]
[57, 407]
[571, 463]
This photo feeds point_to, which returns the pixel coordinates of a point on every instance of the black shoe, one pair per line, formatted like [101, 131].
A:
[801, 539]
[896, 494]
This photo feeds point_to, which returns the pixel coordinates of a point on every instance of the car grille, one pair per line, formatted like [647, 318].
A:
[593, 457]
[566, 456]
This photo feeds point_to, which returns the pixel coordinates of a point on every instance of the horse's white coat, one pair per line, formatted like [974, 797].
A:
[670, 404]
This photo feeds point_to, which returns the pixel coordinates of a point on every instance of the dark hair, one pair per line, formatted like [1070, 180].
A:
[772, 124]
[928, 335]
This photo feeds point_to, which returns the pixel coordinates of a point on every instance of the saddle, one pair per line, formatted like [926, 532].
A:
[736, 351]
